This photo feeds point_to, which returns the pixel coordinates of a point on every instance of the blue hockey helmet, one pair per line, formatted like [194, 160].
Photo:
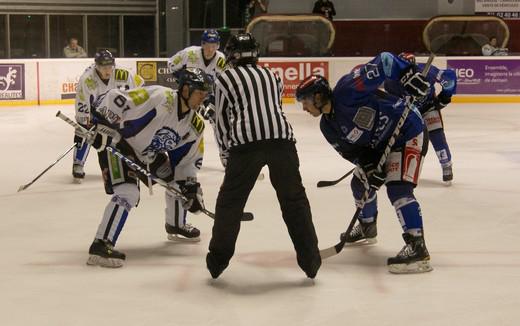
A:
[195, 78]
[104, 58]
[314, 84]
[407, 56]
[210, 36]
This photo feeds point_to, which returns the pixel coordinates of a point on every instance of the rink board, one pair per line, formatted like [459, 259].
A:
[53, 81]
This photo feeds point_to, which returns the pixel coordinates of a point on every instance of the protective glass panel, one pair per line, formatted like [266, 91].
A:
[139, 36]
[62, 29]
[103, 33]
[27, 36]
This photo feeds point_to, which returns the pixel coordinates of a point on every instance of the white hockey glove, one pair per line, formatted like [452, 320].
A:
[193, 193]
[208, 112]
[224, 155]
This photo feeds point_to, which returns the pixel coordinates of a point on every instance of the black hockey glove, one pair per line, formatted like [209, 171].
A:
[375, 178]
[102, 136]
[161, 168]
[441, 101]
[414, 83]
[193, 193]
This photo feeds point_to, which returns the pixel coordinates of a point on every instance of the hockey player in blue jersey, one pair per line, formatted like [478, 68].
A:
[430, 107]
[358, 120]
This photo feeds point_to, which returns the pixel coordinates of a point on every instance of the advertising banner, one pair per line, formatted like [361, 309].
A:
[501, 77]
[12, 82]
[499, 8]
[293, 72]
[155, 72]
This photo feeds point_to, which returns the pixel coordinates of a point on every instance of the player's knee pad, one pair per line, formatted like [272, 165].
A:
[126, 195]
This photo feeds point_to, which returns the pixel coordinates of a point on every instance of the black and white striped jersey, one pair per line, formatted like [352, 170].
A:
[248, 101]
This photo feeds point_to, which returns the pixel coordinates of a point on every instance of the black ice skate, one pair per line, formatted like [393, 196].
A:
[78, 173]
[186, 233]
[447, 174]
[413, 258]
[102, 254]
[362, 234]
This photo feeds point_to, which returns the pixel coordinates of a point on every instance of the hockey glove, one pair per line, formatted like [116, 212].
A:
[208, 112]
[414, 83]
[161, 168]
[374, 177]
[224, 156]
[193, 193]
[441, 101]
[102, 136]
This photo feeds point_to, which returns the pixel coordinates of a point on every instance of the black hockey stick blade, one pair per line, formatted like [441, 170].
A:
[322, 183]
[246, 216]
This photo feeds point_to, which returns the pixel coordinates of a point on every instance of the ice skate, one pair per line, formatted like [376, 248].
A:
[102, 254]
[77, 173]
[413, 258]
[362, 234]
[447, 174]
[185, 233]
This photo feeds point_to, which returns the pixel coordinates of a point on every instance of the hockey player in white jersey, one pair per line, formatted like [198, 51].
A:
[97, 79]
[156, 127]
[208, 58]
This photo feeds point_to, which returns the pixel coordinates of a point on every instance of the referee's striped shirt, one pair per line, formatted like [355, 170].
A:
[248, 101]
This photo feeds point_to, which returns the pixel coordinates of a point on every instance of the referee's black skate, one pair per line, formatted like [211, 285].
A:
[361, 234]
[413, 258]
[186, 233]
[102, 254]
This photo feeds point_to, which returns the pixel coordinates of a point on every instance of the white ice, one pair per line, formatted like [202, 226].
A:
[472, 230]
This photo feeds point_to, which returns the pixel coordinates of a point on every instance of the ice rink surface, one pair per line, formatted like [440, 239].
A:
[472, 231]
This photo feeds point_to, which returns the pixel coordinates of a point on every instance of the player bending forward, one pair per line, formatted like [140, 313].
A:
[358, 121]
[158, 128]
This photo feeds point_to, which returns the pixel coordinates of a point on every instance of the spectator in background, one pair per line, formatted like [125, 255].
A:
[491, 48]
[325, 8]
[255, 8]
[73, 50]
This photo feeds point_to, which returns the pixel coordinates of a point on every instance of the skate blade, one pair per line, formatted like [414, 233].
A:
[364, 242]
[94, 260]
[413, 268]
[447, 183]
[78, 181]
[180, 238]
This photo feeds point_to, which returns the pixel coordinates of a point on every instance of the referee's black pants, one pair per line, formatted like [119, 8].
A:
[243, 167]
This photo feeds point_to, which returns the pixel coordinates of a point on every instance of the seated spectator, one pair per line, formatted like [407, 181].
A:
[325, 8]
[491, 48]
[255, 8]
[73, 50]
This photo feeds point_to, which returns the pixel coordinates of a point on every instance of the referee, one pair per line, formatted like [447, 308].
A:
[253, 131]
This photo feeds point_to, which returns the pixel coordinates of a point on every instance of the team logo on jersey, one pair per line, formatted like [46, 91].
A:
[91, 83]
[365, 117]
[197, 124]
[121, 74]
[221, 63]
[165, 139]
[192, 57]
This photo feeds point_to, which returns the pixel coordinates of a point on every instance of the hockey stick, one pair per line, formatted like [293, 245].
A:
[23, 187]
[247, 216]
[336, 249]
[322, 183]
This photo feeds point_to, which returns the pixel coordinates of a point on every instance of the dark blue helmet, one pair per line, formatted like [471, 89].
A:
[210, 36]
[313, 84]
[104, 58]
[241, 48]
[195, 78]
